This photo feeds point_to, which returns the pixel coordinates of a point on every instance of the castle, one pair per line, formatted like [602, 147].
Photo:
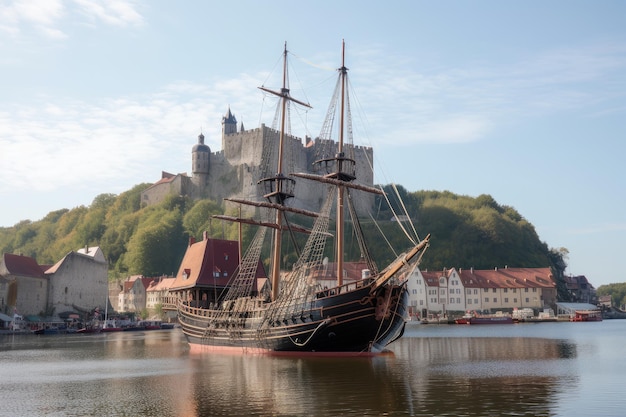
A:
[235, 171]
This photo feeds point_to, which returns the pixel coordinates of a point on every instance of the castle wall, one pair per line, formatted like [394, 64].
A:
[179, 185]
[236, 169]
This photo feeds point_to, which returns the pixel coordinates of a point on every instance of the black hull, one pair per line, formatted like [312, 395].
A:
[354, 323]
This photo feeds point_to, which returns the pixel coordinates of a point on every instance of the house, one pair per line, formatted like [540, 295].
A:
[436, 285]
[502, 289]
[580, 289]
[132, 298]
[510, 288]
[24, 287]
[207, 269]
[157, 290]
[79, 281]
[418, 303]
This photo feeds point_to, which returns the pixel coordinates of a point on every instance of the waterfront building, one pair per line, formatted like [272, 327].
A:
[25, 286]
[499, 289]
[132, 297]
[77, 282]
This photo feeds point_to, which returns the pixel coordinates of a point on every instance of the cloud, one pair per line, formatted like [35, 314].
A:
[119, 13]
[50, 18]
[466, 104]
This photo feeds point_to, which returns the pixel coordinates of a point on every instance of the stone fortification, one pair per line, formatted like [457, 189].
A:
[235, 170]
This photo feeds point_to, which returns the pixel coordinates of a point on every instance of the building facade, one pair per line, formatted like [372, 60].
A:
[504, 289]
[79, 281]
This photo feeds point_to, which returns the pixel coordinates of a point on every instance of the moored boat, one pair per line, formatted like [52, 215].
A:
[587, 315]
[299, 316]
[495, 319]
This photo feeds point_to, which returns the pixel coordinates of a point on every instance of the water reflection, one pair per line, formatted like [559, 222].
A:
[432, 376]
[438, 372]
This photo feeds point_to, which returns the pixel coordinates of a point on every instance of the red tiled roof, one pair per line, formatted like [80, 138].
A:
[204, 258]
[508, 278]
[22, 265]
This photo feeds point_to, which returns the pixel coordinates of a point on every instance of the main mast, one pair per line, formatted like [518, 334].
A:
[340, 190]
[279, 188]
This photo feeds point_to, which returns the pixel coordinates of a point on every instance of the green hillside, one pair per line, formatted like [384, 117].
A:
[466, 232]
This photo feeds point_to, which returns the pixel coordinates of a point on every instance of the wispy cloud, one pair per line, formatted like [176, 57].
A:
[465, 104]
[50, 18]
[111, 12]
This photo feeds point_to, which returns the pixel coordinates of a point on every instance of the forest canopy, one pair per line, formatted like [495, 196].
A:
[466, 232]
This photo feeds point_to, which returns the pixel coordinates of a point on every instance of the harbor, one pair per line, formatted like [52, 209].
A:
[556, 369]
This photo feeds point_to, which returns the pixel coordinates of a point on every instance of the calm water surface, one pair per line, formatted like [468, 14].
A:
[546, 369]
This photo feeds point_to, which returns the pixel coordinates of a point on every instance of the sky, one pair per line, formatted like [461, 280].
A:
[524, 101]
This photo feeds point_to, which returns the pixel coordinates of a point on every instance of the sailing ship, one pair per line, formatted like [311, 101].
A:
[298, 317]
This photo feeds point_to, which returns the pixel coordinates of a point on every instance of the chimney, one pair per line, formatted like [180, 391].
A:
[205, 235]
[192, 240]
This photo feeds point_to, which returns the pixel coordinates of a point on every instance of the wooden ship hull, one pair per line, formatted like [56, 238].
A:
[354, 322]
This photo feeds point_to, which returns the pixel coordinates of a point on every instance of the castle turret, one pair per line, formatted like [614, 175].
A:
[229, 125]
[200, 156]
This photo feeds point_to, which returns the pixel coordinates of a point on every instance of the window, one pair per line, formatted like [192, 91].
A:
[493, 290]
[527, 300]
[469, 301]
[506, 299]
[475, 291]
[495, 300]
[486, 299]
[506, 290]
[458, 301]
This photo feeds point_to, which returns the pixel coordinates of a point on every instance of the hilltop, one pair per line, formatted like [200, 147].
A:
[466, 232]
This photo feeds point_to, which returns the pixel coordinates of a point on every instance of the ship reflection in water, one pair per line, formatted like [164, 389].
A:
[551, 369]
[424, 377]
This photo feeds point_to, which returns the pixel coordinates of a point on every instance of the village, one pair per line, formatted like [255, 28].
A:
[76, 291]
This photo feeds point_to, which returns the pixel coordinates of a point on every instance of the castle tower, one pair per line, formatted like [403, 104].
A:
[229, 125]
[200, 156]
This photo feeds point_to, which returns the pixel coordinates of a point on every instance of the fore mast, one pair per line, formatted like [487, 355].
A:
[279, 188]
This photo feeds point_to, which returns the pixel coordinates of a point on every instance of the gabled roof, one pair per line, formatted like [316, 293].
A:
[204, 259]
[431, 278]
[161, 284]
[508, 278]
[22, 265]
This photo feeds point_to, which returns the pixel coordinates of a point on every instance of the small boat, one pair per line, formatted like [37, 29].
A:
[48, 330]
[587, 315]
[151, 324]
[495, 319]
[298, 315]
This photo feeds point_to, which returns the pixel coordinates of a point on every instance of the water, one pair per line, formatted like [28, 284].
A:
[546, 369]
